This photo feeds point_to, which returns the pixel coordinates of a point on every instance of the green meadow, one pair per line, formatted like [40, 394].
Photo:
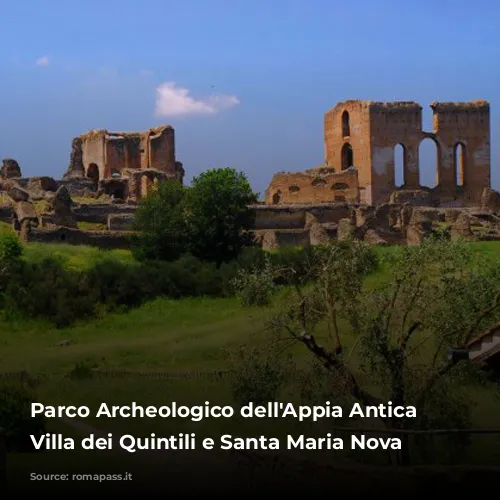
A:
[186, 342]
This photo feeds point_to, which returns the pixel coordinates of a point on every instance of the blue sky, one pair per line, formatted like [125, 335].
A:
[260, 74]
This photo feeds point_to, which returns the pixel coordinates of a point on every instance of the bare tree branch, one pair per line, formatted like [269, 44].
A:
[413, 328]
[333, 364]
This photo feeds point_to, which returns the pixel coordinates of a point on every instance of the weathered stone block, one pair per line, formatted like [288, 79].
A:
[123, 222]
[10, 169]
[346, 229]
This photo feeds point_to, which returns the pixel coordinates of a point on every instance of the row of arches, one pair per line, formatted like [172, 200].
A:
[428, 163]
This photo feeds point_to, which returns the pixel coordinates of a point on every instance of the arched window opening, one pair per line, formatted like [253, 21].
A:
[294, 188]
[318, 182]
[276, 197]
[459, 163]
[346, 126]
[347, 156]
[428, 153]
[399, 165]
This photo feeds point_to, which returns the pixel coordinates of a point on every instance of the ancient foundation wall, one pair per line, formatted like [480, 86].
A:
[294, 216]
[99, 213]
[313, 187]
[108, 240]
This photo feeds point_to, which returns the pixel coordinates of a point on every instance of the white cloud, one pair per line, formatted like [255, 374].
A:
[172, 100]
[42, 61]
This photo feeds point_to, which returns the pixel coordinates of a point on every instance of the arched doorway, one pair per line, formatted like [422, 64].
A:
[276, 197]
[399, 165]
[346, 126]
[428, 162]
[459, 157]
[93, 172]
[347, 156]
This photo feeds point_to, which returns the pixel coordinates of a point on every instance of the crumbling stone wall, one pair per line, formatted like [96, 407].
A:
[117, 161]
[385, 224]
[364, 134]
[76, 168]
[318, 185]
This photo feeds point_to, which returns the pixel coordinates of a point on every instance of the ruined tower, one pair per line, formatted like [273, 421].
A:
[364, 134]
[125, 164]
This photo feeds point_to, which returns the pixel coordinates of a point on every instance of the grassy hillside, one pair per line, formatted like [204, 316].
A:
[191, 338]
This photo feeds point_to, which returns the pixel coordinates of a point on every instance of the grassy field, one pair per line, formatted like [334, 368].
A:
[190, 336]
[75, 257]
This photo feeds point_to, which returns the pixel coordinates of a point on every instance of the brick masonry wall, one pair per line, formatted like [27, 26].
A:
[310, 187]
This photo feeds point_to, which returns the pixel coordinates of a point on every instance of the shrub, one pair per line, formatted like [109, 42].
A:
[47, 289]
[259, 374]
[256, 287]
[11, 251]
[15, 416]
[11, 248]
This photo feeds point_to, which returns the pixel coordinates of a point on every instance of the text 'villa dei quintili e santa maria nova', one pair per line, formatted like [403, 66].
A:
[198, 413]
[182, 441]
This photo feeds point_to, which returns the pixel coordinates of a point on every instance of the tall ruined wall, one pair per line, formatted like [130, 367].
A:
[94, 151]
[347, 141]
[76, 168]
[365, 134]
[466, 124]
[122, 152]
[392, 124]
[313, 186]
[162, 150]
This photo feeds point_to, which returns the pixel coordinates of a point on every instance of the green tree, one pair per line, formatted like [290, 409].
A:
[161, 223]
[432, 297]
[218, 214]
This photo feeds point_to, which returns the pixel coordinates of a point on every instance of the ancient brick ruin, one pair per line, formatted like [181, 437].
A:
[352, 195]
[94, 203]
[355, 193]
[360, 141]
[125, 165]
